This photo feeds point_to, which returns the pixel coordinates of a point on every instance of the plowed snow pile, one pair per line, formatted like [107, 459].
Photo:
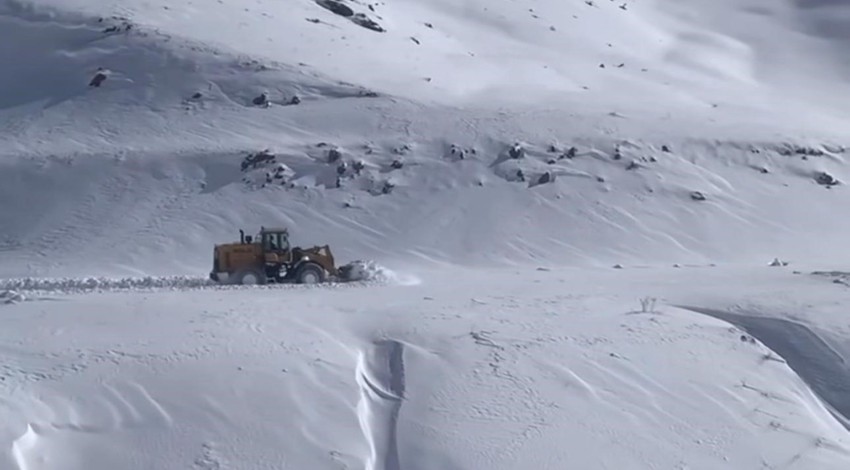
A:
[368, 273]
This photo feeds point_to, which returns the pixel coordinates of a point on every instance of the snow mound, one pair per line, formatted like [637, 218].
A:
[370, 271]
[102, 283]
[11, 297]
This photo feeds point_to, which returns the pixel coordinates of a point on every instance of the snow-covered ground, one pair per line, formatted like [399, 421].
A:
[501, 369]
[497, 160]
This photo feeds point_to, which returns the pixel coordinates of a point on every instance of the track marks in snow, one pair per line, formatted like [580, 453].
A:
[381, 380]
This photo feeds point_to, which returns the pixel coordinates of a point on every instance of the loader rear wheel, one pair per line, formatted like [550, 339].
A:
[250, 278]
[310, 273]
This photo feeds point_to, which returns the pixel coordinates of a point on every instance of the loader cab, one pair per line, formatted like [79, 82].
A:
[276, 241]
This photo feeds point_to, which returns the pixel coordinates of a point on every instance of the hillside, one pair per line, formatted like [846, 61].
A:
[495, 161]
[142, 174]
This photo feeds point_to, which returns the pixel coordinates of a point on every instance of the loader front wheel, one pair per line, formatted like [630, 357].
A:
[310, 273]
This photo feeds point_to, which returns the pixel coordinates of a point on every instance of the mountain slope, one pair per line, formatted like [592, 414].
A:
[141, 175]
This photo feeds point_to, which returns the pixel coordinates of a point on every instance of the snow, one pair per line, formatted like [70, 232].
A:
[499, 368]
[490, 164]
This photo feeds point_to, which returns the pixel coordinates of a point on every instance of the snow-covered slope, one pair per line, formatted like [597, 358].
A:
[142, 174]
[472, 148]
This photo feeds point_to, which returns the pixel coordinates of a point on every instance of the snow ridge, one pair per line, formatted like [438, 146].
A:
[380, 376]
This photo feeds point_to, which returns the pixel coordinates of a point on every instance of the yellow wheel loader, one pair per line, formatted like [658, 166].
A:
[268, 257]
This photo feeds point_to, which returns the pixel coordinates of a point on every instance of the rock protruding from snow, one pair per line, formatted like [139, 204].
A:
[698, 196]
[825, 179]
[336, 7]
[339, 8]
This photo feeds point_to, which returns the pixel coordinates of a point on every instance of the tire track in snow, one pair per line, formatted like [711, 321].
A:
[380, 377]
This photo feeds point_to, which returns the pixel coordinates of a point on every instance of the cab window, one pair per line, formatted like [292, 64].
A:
[275, 242]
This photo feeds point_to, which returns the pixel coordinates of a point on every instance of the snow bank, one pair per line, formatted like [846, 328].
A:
[11, 297]
[103, 283]
[370, 273]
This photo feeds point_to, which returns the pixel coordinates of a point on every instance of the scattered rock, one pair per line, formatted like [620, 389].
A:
[571, 153]
[334, 155]
[520, 176]
[387, 188]
[254, 160]
[778, 263]
[546, 177]
[358, 166]
[397, 164]
[551, 161]
[665, 149]
[791, 149]
[123, 25]
[403, 150]
[336, 7]
[295, 100]
[697, 196]
[825, 179]
[362, 20]
[415, 40]
[633, 165]
[618, 266]
[516, 152]
[98, 78]
[262, 100]
[460, 153]
[198, 95]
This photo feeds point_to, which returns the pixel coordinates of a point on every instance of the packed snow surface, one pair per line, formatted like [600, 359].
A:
[492, 162]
